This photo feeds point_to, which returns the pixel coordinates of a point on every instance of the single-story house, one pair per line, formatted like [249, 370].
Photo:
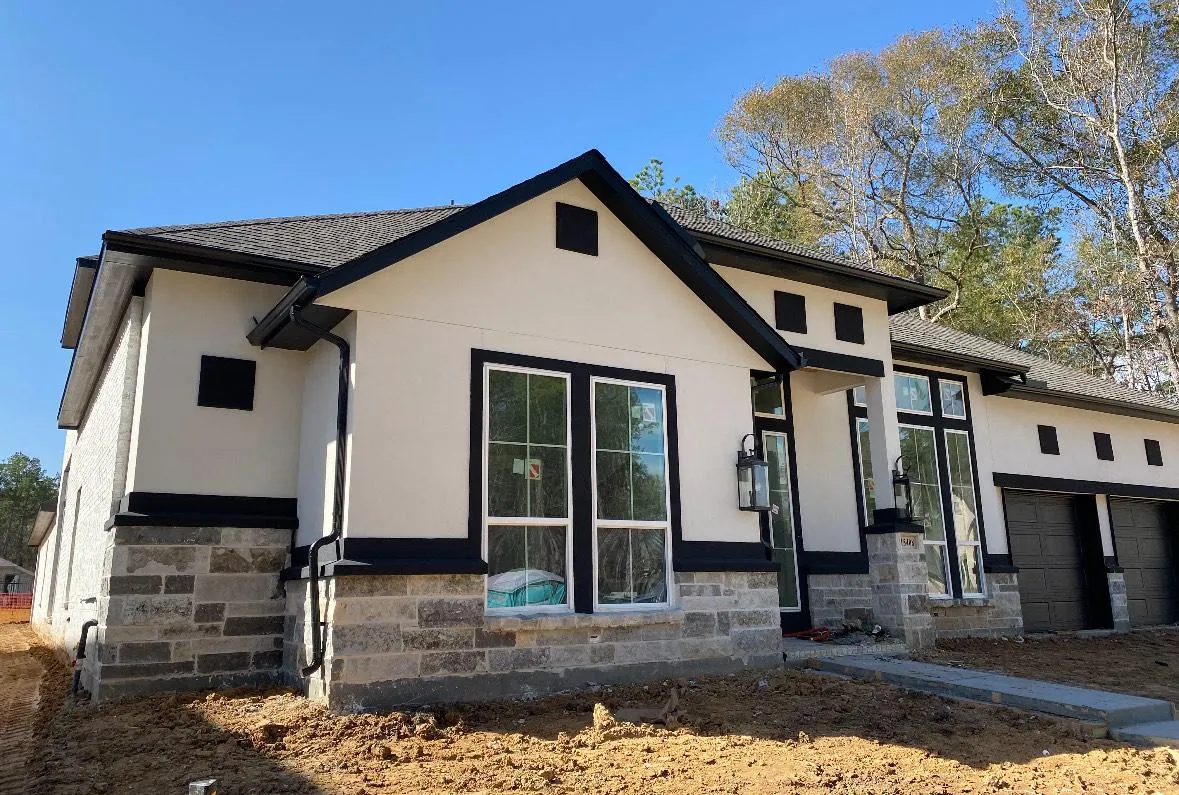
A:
[505, 448]
[14, 578]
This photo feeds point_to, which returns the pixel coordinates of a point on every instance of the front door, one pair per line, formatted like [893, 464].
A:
[778, 527]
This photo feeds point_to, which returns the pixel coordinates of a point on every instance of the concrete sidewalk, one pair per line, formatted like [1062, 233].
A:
[1128, 718]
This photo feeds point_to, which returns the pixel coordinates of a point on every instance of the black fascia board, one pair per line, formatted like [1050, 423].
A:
[299, 294]
[1011, 480]
[85, 275]
[920, 354]
[843, 362]
[211, 261]
[900, 294]
[1041, 394]
[662, 235]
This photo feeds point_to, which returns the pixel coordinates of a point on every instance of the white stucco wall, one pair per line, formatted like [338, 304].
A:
[185, 448]
[504, 286]
[1016, 445]
[826, 477]
[758, 290]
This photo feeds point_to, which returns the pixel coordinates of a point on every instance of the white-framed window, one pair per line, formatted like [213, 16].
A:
[919, 453]
[860, 395]
[912, 393]
[527, 490]
[953, 395]
[867, 481]
[965, 506]
[776, 446]
[632, 510]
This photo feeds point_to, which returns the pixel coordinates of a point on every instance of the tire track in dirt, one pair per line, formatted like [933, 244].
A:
[20, 685]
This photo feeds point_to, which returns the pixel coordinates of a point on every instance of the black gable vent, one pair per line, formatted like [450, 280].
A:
[1049, 444]
[226, 383]
[577, 229]
[1104, 445]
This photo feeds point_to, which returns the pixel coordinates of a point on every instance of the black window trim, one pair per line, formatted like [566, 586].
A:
[940, 424]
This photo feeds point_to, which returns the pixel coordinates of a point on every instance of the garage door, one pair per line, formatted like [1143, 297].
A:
[1047, 551]
[1146, 552]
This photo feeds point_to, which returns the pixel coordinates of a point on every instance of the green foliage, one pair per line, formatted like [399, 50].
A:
[651, 181]
[25, 489]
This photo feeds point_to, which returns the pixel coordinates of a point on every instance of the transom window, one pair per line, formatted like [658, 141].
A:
[936, 451]
[547, 549]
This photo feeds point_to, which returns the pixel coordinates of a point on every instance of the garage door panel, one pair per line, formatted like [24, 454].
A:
[1045, 548]
[1147, 546]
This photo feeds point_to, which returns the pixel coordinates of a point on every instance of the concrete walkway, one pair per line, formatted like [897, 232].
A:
[1146, 721]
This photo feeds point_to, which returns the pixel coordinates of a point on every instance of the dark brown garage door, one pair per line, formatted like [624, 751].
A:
[1046, 550]
[1146, 552]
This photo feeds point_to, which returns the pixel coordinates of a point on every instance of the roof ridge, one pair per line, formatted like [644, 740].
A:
[288, 219]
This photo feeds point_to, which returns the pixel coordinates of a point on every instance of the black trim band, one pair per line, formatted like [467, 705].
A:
[721, 556]
[842, 362]
[999, 564]
[1009, 480]
[833, 562]
[140, 508]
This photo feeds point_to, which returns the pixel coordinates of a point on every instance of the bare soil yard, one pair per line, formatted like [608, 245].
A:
[1144, 662]
[781, 732]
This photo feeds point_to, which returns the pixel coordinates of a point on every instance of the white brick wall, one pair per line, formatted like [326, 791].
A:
[94, 477]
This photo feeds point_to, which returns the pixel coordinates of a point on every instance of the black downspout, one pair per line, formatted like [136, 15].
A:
[320, 628]
[80, 654]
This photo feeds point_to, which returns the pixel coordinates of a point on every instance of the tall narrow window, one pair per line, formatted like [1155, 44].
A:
[867, 481]
[777, 454]
[631, 524]
[919, 452]
[965, 507]
[527, 492]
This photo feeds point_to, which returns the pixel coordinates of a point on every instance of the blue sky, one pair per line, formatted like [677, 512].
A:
[117, 114]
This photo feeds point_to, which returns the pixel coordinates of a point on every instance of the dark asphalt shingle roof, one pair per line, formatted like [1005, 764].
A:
[327, 240]
[912, 330]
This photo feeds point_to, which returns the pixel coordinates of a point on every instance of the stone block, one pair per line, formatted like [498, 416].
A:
[246, 560]
[155, 610]
[756, 641]
[556, 637]
[493, 640]
[661, 632]
[149, 652]
[446, 638]
[269, 607]
[267, 660]
[370, 585]
[221, 663]
[187, 630]
[253, 625]
[179, 583]
[699, 625]
[569, 656]
[601, 653]
[167, 536]
[365, 638]
[454, 662]
[121, 585]
[744, 619]
[434, 612]
[137, 670]
[384, 609]
[209, 612]
[381, 667]
[700, 589]
[517, 659]
[237, 587]
[255, 537]
[446, 585]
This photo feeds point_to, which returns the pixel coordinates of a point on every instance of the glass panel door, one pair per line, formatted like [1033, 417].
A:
[781, 518]
[919, 453]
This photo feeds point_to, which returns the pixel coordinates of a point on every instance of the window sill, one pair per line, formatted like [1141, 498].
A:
[543, 621]
[967, 601]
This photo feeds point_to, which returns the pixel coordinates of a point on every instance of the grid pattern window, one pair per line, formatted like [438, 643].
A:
[631, 526]
[777, 452]
[936, 450]
[768, 400]
[527, 489]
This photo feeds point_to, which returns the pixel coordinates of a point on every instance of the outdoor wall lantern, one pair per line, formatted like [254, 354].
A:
[902, 491]
[753, 479]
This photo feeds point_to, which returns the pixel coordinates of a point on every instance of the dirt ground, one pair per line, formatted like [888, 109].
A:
[780, 732]
[1144, 662]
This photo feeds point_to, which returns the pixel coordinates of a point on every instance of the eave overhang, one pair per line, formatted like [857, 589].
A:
[1041, 394]
[650, 223]
[900, 294]
[921, 354]
[85, 271]
[41, 526]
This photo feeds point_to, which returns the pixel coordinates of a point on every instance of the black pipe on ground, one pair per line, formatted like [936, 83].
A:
[80, 654]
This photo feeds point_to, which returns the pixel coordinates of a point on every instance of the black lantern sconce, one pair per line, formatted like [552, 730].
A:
[753, 479]
[902, 491]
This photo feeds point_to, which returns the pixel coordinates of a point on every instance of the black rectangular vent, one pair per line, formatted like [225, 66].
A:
[790, 312]
[577, 229]
[226, 383]
[1104, 444]
[1049, 444]
[849, 323]
[1154, 452]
